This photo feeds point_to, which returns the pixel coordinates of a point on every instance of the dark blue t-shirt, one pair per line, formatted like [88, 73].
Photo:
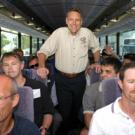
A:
[24, 127]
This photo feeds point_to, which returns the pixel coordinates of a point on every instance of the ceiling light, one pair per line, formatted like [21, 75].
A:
[97, 29]
[104, 25]
[133, 8]
[113, 20]
[38, 28]
[30, 23]
[16, 16]
[1, 6]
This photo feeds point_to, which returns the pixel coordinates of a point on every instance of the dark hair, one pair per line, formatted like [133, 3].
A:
[32, 58]
[11, 54]
[18, 50]
[124, 68]
[115, 62]
[130, 56]
[74, 10]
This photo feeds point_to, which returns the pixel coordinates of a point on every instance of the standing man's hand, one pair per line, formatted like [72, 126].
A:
[95, 66]
[42, 72]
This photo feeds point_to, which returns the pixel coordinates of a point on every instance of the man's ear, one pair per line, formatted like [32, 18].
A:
[22, 65]
[66, 21]
[15, 100]
[81, 22]
[120, 84]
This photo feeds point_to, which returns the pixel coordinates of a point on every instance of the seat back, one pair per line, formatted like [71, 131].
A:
[25, 107]
[93, 77]
[111, 90]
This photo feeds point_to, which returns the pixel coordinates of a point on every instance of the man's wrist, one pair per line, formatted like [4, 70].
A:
[44, 128]
[97, 62]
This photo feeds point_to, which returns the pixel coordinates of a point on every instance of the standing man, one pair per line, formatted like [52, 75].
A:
[70, 45]
[118, 118]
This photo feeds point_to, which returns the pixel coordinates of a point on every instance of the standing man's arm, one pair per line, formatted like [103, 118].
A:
[97, 56]
[96, 65]
[42, 71]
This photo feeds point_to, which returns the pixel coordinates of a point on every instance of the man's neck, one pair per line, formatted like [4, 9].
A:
[128, 107]
[6, 126]
[20, 80]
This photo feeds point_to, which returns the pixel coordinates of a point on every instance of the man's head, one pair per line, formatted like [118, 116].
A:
[9, 97]
[19, 51]
[127, 81]
[12, 64]
[74, 20]
[128, 58]
[110, 67]
[33, 62]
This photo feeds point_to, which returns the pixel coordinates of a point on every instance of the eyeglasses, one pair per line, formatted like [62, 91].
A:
[35, 65]
[2, 98]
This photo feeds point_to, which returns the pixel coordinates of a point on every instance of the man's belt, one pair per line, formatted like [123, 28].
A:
[70, 75]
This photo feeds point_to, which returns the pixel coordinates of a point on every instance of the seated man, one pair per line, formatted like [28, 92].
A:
[93, 97]
[128, 58]
[11, 124]
[43, 108]
[33, 62]
[118, 118]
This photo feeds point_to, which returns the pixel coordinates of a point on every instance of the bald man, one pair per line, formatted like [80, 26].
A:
[10, 123]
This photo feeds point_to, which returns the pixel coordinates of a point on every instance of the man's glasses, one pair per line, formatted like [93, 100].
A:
[2, 98]
[33, 66]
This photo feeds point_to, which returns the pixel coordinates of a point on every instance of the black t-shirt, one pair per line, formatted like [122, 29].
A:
[42, 100]
[24, 127]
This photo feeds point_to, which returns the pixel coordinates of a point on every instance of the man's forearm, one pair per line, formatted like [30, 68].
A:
[47, 121]
[87, 119]
[97, 56]
[41, 59]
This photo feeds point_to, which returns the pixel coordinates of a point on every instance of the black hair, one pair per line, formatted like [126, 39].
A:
[11, 54]
[124, 68]
[74, 10]
[130, 56]
[113, 61]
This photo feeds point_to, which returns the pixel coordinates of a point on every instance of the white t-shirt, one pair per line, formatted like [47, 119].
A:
[111, 120]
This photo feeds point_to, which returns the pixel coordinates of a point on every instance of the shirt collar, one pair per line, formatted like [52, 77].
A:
[115, 108]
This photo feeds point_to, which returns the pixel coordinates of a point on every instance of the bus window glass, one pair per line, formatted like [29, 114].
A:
[40, 42]
[34, 45]
[25, 44]
[112, 42]
[9, 41]
[102, 42]
[127, 42]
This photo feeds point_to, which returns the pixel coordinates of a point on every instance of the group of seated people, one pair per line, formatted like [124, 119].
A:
[102, 90]
[12, 67]
[46, 118]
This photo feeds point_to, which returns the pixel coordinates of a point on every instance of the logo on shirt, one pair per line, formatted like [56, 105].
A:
[83, 40]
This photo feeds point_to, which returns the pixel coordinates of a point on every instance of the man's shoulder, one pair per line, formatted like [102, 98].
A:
[23, 121]
[84, 29]
[24, 126]
[61, 29]
[92, 90]
[93, 87]
[104, 110]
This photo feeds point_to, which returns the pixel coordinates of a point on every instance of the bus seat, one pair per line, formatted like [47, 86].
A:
[25, 107]
[111, 90]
